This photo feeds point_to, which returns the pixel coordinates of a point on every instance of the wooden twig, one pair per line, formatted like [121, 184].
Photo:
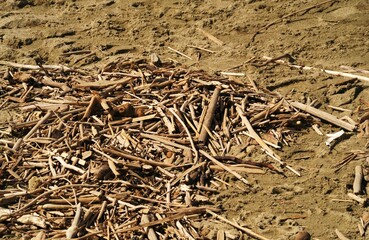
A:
[73, 229]
[20, 210]
[208, 156]
[340, 235]
[323, 115]
[331, 72]
[362, 201]
[49, 82]
[245, 230]
[211, 37]
[102, 83]
[39, 123]
[180, 53]
[134, 158]
[268, 150]
[35, 67]
[188, 133]
[201, 48]
[209, 116]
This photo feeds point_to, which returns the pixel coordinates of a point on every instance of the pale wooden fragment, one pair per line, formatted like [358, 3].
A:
[324, 115]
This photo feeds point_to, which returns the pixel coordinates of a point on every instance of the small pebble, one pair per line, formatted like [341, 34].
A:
[303, 236]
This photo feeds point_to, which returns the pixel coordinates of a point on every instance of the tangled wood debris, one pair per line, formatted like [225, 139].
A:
[138, 148]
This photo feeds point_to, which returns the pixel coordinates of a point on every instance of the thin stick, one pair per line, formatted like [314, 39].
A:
[35, 67]
[73, 229]
[233, 74]
[102, 83]
[69, 166]
[180, 53]
[134, 158]
[39, 123]
[45, 194]
[211, 37]
[331, 72]
[246, 230]
[267, 149]
[208, 156]
[201, 48]
[166, 141]
[324, 115]
[188, 133]
[166, 120]
[182, 175]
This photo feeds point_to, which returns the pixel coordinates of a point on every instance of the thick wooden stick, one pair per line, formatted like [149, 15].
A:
[358, 181]
[209, 116]
[324, 115]
[49, 82]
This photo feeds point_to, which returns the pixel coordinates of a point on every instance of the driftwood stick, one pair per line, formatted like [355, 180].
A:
[39, 123]
[151, 235]
[180, 53]
[188, 133]
[208, 156]
[324, 115]
[264, 113]
[174, 217]
[134, 158]
[362, 201]
[73, 229]
[166, 120]
[211, 37]
[331, 72]
[209, 116]
[183, 174]
[102, 83]
[358, 181]
[166, 141]
[69, 166]
[246, 230]
[49, 82]
[91, 106]
[340, 235]
[44, 195]
[35, 67]
[268, 150]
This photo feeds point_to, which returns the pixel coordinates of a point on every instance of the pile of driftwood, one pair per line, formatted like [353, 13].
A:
[135, 149]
